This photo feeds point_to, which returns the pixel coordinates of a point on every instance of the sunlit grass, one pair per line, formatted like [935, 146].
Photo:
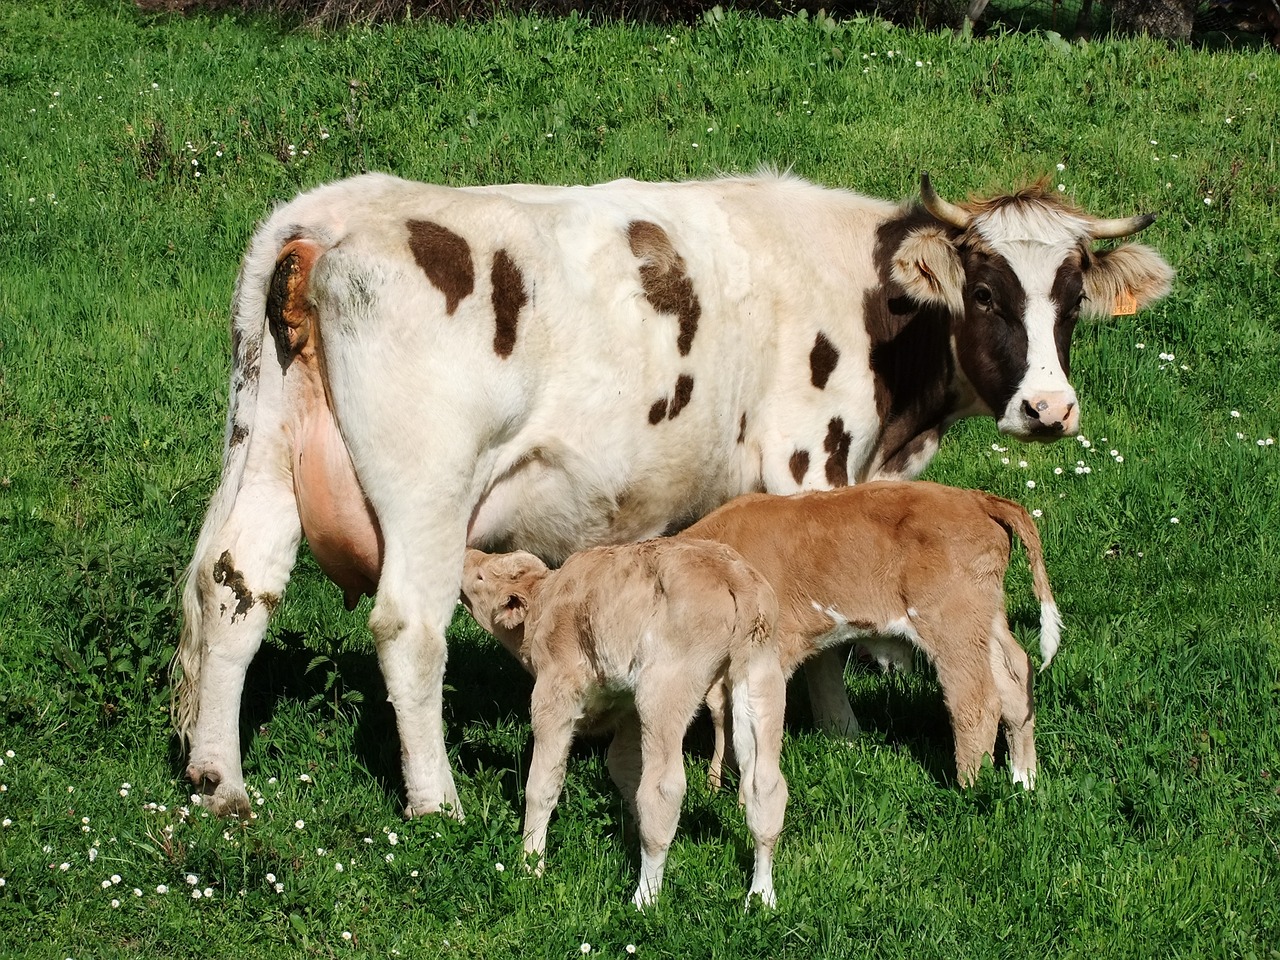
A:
[136, 156]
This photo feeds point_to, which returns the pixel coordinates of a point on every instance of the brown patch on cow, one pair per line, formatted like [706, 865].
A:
[658, 412]
[822, 360]
[896, 458]
[225, 573]
[684, 392]
[508, 297]
[445, 258]
[238, 434]
[666, 285]
[911, 360]
[290, 314]
[799, 464]
[742, 429]
[837, 446]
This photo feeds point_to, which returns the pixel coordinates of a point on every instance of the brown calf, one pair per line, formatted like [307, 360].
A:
[631, 638]
[896, 566]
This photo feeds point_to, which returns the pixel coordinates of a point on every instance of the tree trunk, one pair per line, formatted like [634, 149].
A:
[1164, 19]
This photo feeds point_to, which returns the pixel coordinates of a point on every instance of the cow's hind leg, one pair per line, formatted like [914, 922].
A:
[235, 581]
[759, 702]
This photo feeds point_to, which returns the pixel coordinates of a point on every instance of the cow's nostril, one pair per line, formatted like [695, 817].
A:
[1031, 412]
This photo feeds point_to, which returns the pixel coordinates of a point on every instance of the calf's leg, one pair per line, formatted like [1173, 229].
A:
[1013, 677]
[828, 696]
[759, 702]
[552, 736]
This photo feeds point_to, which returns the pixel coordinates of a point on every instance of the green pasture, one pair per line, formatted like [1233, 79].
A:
[136, 155]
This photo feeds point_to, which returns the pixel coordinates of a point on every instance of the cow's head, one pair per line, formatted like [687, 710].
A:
[1016, 272]
[498, 589]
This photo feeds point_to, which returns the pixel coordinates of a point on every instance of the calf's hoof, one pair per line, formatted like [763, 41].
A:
[422, 808]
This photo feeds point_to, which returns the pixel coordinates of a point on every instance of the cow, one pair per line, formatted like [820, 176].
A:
[631, 638]
[418, 368]
[899, 567]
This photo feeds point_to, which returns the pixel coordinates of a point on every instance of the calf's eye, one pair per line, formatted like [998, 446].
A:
[982, 297]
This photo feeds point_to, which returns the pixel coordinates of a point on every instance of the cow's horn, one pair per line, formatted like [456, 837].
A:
[944, 211]
[1120, 227]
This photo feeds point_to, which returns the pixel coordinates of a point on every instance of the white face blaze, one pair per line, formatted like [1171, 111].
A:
[1036, 242]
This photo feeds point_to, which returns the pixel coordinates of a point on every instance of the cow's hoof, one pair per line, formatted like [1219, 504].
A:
[220, 797]
[839, 724]
[448, 808]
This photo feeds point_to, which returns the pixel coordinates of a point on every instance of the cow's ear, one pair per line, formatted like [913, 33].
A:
[1124, 280]
[928, 267]
[514, 608]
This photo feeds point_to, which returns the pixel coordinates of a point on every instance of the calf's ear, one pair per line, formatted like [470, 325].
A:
[1122, 281]
[513, 610]
[928, 267]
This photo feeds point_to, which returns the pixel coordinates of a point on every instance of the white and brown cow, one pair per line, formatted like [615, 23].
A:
[418, 368]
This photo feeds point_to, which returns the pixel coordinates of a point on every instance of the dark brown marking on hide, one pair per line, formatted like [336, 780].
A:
[991, 338]
[911, 360]
[822, 360]
[837, 446]
[445, 258]
[238, 434]
[865, 626]
[225, 573]
[1067, 295]
[508, 297]
[895, 463]
[742, 429]
[684, 392]
[799, 464]
[666, 285]
[658, 412]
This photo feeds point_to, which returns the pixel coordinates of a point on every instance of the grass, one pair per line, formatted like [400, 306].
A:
[136, 155]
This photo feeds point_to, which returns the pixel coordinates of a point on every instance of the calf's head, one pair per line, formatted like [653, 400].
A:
[498, 589]
[1015, 273]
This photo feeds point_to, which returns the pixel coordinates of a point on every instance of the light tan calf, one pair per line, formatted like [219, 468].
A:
[897, 566]
[632, 638]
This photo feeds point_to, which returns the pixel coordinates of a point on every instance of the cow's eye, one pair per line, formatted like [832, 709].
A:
[982, 297]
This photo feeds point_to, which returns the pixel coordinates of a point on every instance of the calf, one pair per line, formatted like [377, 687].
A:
[631, 638]
[894, 567]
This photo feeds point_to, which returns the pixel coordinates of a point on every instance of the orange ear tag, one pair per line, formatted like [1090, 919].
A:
[1126, 304]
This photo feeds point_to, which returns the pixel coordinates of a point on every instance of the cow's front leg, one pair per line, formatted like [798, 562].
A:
[234, 583]
[828, 696]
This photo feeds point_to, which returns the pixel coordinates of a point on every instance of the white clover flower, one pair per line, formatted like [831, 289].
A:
[192, 879]
[1141, 346]
[64, 866]
[346, 934]
[271, 878]
[319, 851]
[1061, 167]
[137, 891]
[106, 884]
[1208, 201]
[368, 839]
[1022, 463]
[413, 873]
[305, 778]
[6, 822]
[1057, 471]
[1062, 188]
[299, 824]
[115, 878]
[630, 948]
[195, 894]
[1031, 484]
[1174, 520]
[279, 888]
[208, 891]
[585, 948]
[1037, 513]
[115, 904]
[93, 854]
[1239, 436]
[499, 867]
[338, 866]
[389, 857]
[1236, 414]
[392, 839]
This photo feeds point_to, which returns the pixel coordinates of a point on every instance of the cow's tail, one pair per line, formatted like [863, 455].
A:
[250, 343]
[1014, 518]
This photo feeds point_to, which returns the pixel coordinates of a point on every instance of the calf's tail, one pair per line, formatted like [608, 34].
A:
[1015, 519]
